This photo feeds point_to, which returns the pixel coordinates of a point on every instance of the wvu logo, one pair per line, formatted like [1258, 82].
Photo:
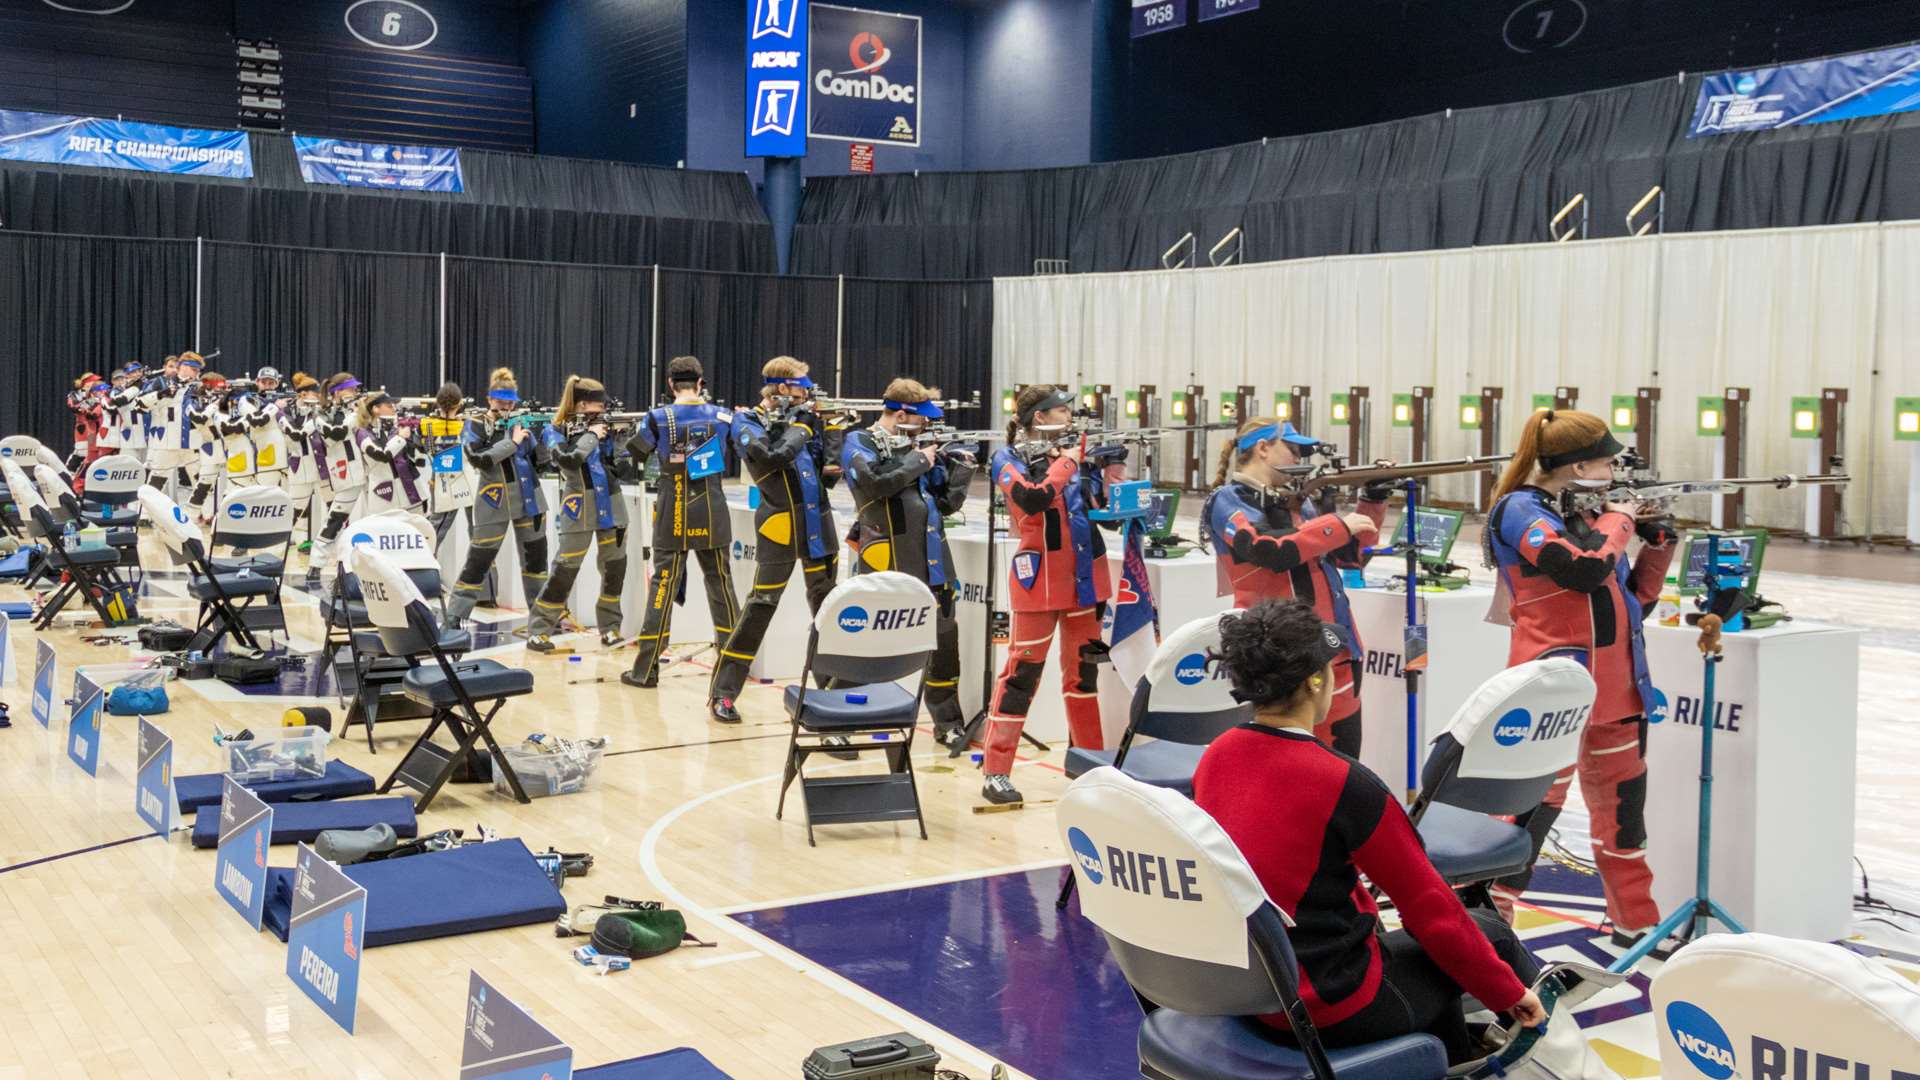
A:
[570, 506]
[491, 493]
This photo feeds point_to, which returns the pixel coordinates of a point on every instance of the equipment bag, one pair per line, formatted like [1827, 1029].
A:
[131, 700]
[639, 934]
[165, 636]
[247, 671]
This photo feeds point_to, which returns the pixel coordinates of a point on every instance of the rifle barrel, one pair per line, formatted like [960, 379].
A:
[1354, 477]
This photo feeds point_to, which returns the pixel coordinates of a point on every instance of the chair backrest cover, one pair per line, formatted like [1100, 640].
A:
[1756, 1006]
[1181, 909]
[21, 488]
[406, 539]
[253, 517]
[395, 604]
[177, 532]
[1185, 695]
[115, 480]
[874, 628]
[51, 482]
[1505, 743]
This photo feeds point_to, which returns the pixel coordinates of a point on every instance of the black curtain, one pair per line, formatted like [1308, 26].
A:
[516, 206]
[70, 304]
[735, 323]
[373, 314]
[1477, 177]
[940, 332]
[547, 321]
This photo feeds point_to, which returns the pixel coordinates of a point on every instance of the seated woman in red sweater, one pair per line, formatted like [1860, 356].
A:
[1310, 820]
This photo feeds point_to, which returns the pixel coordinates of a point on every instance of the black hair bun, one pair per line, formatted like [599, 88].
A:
[1270, 650]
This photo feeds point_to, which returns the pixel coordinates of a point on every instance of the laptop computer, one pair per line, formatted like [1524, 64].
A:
[1750, 543]
[1435, 530]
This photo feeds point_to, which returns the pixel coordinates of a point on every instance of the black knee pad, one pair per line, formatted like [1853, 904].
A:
[336, 521]
[1092, 655]
[1017, 698]
[1632, 817]
[533, 557]
[479, 561]
[614, 575]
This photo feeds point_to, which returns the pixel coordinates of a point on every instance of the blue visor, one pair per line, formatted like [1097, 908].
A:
[924, 408]
[1270, 432]
[802, 382]
[504, 393]
[1289, 434]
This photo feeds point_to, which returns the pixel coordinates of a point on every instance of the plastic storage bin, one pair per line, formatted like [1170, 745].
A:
[287, 754]
[544, 772]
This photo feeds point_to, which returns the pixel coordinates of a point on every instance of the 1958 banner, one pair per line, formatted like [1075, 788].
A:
[864, 76]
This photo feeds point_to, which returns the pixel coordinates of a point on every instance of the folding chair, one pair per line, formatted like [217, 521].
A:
[873, 629]
[452, 689]
[1497, 758]
[1205, 951]
[370, 680]
[185, 546]
[89, 572]
[1183, 702]
[111, 501]
[255, 524]
[56, 495]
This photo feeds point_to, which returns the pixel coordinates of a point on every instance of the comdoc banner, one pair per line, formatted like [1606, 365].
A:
[118, 144]
[378, 165]
[866, 76]
[1836, 88]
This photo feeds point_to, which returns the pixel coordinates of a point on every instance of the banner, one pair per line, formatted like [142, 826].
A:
[776, 97]
[45, 668]
[504, 1043]
[866, 76]
[1153, 16]
[326, 936]
[119, 144]
[378, 165]
[1836, 88]
[1219, 9]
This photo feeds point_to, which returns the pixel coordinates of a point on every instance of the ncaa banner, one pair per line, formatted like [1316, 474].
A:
[776, 78]
[118, 144]
[378, 165]
[1836, 88]
[866, 76]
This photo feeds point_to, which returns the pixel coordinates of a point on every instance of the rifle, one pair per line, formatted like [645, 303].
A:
[851, 408]
[1305, 480]
[1662, 493]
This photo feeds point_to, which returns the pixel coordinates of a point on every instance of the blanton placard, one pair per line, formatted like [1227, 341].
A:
[864, 76]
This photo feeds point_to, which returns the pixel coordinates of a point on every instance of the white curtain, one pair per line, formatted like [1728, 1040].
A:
[1785, 313]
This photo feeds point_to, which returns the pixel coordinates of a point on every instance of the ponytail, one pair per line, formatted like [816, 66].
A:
[502, 378]
[1029, 397]
[1231, 456]
[1547, 434]
[564, 411]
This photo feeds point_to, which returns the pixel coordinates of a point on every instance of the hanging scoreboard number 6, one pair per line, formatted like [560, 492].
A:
[1538, 25]
[400, 25]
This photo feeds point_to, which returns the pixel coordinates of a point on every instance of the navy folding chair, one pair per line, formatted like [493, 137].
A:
[220, 616]
[111, 501]
[90, 573]
[1204, 949]
[873, 630]
[452, 689]
[1497, 758]
[370, 680]
[55, 491]
[24, 451]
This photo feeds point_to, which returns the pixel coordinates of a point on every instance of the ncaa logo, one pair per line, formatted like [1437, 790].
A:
[1086, 855]
[1511, 729]
[1191, 669]
[1536, 536]
[99, 474]
[179, 515]
[854, 619]
[359, 539]
[238, 511]
[1658, 709]
[777, 18]
[1701, 1038]
[1747, 84]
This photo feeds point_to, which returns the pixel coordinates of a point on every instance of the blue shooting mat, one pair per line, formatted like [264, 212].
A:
[302, 822]
[438, 894]
[342, 780]
[680, 1064]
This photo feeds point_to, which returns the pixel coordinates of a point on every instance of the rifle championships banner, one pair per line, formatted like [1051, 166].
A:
[1835, 88]
[119, 144]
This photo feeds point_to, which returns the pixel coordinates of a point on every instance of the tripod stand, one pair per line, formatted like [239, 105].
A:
[1724, 574]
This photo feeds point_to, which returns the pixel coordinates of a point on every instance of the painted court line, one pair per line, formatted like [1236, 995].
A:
[893, 886]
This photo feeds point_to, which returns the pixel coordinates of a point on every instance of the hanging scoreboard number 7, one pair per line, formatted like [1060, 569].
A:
[1538, 25]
